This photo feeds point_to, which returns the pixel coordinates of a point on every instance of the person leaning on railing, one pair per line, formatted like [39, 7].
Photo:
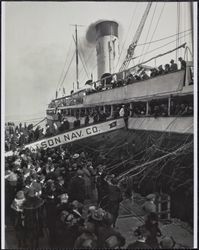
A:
[183, 63]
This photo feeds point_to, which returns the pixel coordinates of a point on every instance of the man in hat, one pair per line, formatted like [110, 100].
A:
[77, 187]
[160, 70]
[183, 63]
[149, 205]
[167, 68]
[142, 233]
[173, 66]
[114, 199]
[51, 213]
[151, 224]
[33, 218]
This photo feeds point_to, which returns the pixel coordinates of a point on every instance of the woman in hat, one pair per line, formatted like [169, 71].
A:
[19, 218]
[10, 189]
[33, 218]
[149, 205]
[151, 224]
[87, 180]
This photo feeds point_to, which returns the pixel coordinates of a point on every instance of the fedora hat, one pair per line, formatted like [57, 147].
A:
[75, 156]
[12, 178]
[98, 214]
[20, 195]
[80, 172]
[150, 196]
[167, 242]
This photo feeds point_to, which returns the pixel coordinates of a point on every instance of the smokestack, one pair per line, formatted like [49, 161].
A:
[107, 46]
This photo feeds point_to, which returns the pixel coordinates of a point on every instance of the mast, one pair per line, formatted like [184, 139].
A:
[77, 59]
[191, 21]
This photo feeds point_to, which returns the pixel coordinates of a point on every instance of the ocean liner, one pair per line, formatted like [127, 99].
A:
[155, 148]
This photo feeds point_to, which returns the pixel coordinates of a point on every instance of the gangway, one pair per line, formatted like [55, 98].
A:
[74, 135]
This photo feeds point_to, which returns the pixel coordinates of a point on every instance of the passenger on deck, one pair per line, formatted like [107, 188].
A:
[144, 76]
[156, 111]
[116, 113]
[154, 72]
[120, 83]
[102, 116]
[95, 117]
[66, 124]
[86, 120]
[160, 70]
[183, 109]
[167, 68]
[183, 63]
[121, 112]
[163, 109]
[174, 66]
[137, 77]
[130, 79]
[76, 123]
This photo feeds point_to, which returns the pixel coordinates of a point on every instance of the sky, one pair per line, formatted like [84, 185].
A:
[39, 46]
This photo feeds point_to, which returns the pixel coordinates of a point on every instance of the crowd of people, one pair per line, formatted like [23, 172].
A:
[71, 199]
[20, 135]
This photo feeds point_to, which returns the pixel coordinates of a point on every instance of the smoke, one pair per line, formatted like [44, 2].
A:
[91, 31]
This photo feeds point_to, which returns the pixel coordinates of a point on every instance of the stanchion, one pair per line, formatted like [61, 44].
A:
[164, 207]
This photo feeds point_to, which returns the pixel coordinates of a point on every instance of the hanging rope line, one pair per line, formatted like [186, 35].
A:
[149, 29]
[67, 69]
[132, 19]
[39, 122]
[155, 160]
[62, 73]
[90, 56]
[155, 28]
[165, 45]
[82, 58]
[164, 38]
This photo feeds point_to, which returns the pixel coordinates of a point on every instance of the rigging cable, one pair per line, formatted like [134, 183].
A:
[177, 27]
[39, 122]
[157, 48]
[82, 58]
[67, 55]
[88, 58]
[155, 28]
[155, 160]
[67, 69]
[161, 39]
[83, 63]
[132, 19]
[149, 29]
